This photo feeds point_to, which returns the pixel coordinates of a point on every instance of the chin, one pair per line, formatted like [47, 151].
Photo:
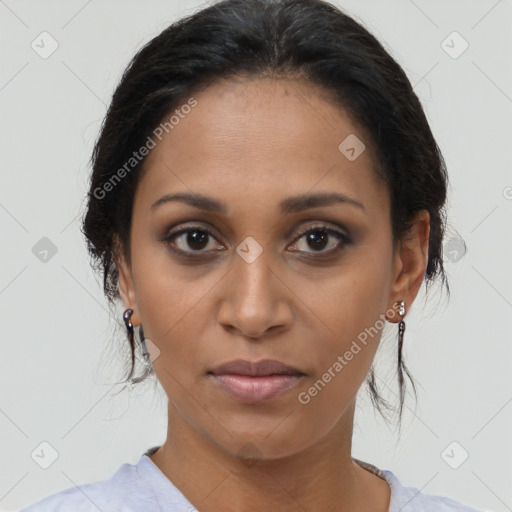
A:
[263, 443]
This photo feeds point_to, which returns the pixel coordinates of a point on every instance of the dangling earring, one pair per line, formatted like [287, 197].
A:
[127, 315]
[131, 336]
[401, 366]
[401, 330]
[145, 352]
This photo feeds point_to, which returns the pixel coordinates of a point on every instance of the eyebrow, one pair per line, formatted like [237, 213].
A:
[288, 205]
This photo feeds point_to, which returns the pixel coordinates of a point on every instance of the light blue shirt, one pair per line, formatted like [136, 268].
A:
[142, 487]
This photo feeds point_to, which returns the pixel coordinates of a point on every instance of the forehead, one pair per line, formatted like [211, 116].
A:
[261, 138]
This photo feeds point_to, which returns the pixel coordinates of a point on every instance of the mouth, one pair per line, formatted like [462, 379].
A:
[255, 382]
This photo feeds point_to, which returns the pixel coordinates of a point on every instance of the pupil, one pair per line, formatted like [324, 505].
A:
[315, 236]
[196, 239]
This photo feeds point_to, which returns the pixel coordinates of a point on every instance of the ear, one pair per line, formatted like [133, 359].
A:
[126, 288]
[410, 263]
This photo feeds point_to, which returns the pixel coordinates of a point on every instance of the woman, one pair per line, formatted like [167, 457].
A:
[266, 194]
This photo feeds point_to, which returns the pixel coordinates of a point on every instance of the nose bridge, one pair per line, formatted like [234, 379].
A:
[254, 301]
[252, 272]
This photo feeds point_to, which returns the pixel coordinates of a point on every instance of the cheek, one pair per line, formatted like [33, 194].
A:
[350, 307]
[171, 300]
[353, 313]
[175, 320]
[351, 300]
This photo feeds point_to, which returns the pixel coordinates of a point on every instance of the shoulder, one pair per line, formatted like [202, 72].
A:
[411, 499]
[124, 491]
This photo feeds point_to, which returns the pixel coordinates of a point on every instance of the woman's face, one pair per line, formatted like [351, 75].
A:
[254, 280]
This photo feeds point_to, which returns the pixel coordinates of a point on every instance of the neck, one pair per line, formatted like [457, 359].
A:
[319, 478]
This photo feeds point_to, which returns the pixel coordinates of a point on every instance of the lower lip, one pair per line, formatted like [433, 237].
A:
[255, 389]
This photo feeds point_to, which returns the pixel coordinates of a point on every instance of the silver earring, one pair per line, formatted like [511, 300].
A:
[401, 330]
[131, 337]
[145, 352]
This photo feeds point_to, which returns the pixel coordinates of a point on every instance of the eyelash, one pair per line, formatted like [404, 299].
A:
[344, 240]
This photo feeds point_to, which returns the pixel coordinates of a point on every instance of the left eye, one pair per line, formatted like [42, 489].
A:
[317, 238]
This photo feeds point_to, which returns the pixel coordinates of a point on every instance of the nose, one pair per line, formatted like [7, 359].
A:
[255, 298]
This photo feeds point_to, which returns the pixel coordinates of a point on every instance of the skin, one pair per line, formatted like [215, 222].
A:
[294, 302]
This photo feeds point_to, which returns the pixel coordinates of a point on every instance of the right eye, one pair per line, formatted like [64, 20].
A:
[190, 240]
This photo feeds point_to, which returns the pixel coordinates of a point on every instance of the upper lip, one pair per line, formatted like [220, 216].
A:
[259, 368]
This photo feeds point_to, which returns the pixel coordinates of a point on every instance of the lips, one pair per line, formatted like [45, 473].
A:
[254, 382]
[256, 369]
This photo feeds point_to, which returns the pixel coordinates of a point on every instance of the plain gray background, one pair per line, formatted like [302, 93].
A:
[60, 357]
